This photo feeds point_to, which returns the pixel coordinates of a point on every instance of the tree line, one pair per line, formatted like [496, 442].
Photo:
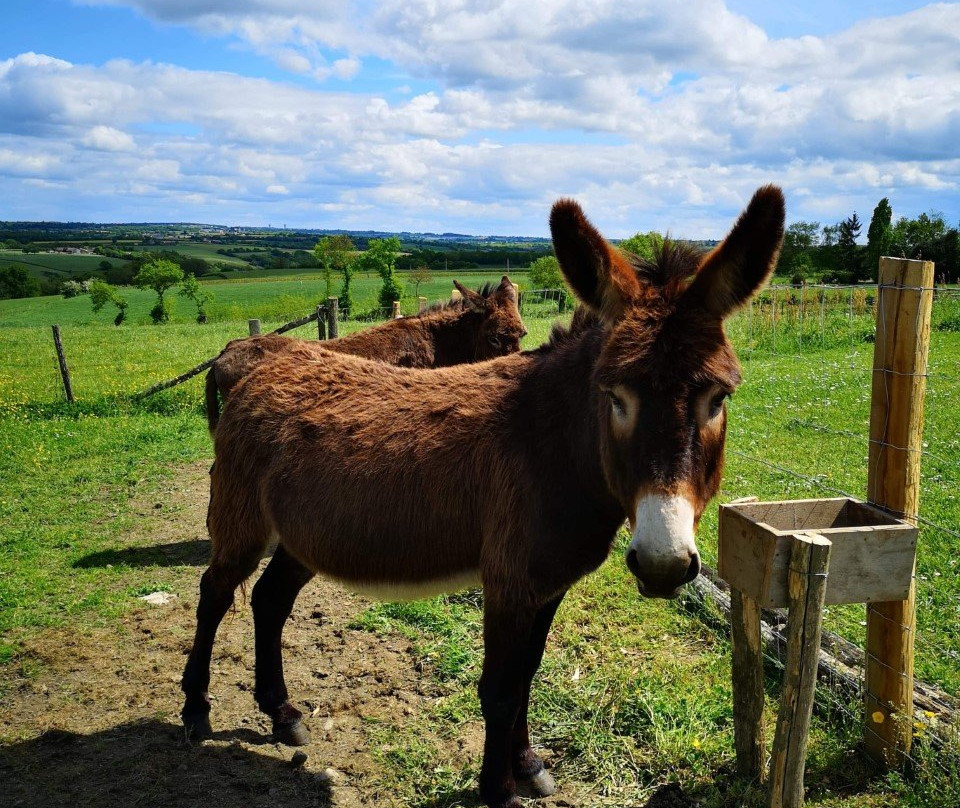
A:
[832, 254]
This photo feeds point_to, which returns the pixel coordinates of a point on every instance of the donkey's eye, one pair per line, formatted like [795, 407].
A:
[617, 405]
[716, 403]
[494, 342]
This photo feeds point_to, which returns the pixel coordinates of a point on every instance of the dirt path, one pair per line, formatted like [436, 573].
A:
[100, 725]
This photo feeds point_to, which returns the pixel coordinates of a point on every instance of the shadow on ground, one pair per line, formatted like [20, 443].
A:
[147, 763]
[194, 553]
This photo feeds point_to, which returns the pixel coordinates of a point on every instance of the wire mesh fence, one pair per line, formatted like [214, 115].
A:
[809, 350]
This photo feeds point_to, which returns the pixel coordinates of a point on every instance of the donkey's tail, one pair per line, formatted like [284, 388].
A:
[212, 396]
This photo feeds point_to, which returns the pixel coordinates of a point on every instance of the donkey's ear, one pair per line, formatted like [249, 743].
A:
[597, 272]
[734, 272]
[506, 289]
[471, 299]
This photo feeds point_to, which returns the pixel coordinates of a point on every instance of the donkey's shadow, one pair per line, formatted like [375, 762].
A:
[148, 763]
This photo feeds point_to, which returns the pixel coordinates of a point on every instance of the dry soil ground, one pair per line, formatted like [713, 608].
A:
[99, 724]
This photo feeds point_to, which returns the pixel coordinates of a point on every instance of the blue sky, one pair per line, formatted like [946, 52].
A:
[446, 116]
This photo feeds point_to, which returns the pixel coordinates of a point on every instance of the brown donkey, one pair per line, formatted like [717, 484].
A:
[515, 473]
[479, 326]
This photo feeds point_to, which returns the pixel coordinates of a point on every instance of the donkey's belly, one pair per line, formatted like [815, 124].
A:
[414, 590]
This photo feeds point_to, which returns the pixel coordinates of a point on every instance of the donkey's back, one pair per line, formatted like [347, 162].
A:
[388, 479]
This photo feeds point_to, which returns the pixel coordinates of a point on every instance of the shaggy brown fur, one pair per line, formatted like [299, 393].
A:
[509, 472]
[481, 325]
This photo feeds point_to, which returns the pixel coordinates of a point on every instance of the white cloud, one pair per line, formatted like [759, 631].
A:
[659, 114]
[106, 138]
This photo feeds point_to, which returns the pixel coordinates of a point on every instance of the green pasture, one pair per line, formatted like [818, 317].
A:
[55, 265]
[208, 252]
[274, 299]
[633, 693]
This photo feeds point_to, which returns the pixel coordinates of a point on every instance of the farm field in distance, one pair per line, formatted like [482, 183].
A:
[104, 502]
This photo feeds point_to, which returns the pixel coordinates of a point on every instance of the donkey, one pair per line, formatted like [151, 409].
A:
[480, 325]
[514, 473]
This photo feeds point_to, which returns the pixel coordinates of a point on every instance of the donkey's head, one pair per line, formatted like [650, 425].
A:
[499, 327]
[664, 372]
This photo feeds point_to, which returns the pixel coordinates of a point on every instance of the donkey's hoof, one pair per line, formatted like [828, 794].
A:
[540, 784]
[197, 727]
[292, 734]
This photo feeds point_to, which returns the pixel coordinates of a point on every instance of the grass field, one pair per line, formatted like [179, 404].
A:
[277, 299]
[633, 693]
[55, 265]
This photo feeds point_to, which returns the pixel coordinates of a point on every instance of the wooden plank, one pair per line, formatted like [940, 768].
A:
[904, 302]
[62, 360]
[321, 323]
[333, 317]
[809, 563]
[876, 561]
[841, 662]
[747, 685]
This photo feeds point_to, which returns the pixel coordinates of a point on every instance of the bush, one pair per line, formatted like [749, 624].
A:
[74, 288]
[102, 293]
[16, 282]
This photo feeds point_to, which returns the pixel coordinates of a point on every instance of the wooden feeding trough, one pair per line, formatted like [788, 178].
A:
[799, 554]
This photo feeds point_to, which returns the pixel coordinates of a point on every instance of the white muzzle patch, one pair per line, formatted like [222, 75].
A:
[663, 530]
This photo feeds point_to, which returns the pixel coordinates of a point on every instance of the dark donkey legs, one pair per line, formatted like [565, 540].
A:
[216, 596]
[527, 765]
[272, 601]
[513, 646]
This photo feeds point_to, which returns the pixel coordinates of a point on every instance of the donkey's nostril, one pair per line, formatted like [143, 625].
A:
[693, 570]
[632, 564]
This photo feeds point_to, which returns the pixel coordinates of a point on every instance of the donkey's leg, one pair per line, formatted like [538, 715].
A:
[506, 637]
[527, 765]
[272, 601]
[216, 596]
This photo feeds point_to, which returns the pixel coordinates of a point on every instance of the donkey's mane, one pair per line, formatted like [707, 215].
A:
[583, 320]
[673, 265]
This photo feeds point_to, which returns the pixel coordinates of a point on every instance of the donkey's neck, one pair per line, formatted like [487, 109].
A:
[454, 335]
[559, 416]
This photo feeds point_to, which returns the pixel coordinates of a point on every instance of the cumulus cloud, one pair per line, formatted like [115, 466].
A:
[106, 138]
[659, 114]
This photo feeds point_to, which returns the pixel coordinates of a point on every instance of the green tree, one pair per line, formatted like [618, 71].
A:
[798, 241]
[545, 273]
[190, 288]
[159, 275]
[102, 293]
[381, 257]
[334, 253]
[879, 235]
[643, 245]
[850, 259]
[421, 274]
[16, 282]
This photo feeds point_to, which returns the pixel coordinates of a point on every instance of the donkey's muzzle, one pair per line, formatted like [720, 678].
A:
[659, 580]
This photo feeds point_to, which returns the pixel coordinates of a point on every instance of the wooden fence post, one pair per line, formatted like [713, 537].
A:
[421, 304]
[395, 311]
[807, 584]
[321, 322]
[254, 326]
[64, 370]
[333, 315]
[904, 302]
[747, 684]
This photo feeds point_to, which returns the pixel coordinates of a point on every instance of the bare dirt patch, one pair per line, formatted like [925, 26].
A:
[99, 723]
